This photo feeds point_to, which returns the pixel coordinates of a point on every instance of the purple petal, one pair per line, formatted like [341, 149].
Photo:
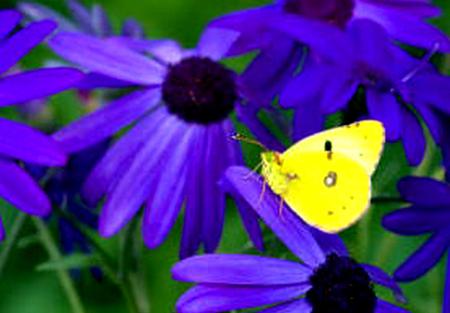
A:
[216, 42]
[338, 92]
[329, 243]
[379, 277]
[96, 80]
[19, 44]
[107, 120]
[297, 306]
[214, 164]
[424, 191]
[424, 258]
[202, 298]
[384, 107]
[116, 160]
[270, 70]
[308, 120]
[311, 32]
[413, 137]
[22, 142]
[169, 193]
[252, 26]
[290, 229]
[39, 12]
[134, 187]
[107, 57]
[416, 220]
[18, 188]
[193, 213]
[81, 15]
[36, 84]
[132, 29]
[446, 305]
[229, 269]
[386, 307]
[9, 19]
[101, 22]
[405, 27]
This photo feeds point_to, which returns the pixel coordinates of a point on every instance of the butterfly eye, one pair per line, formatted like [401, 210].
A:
[330, 180]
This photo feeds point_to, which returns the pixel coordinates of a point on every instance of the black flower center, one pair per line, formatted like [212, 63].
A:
[341, 285]
[200, 90]
[338, 12]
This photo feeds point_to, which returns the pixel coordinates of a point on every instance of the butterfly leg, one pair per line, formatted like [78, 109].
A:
[261, 195]
[280, 208]
[253, 172]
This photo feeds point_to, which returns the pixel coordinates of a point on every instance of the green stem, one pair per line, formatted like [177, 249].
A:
[11, 240]
[63, 275]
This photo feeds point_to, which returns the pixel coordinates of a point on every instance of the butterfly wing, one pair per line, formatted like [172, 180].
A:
[362, 141]
[328, 193]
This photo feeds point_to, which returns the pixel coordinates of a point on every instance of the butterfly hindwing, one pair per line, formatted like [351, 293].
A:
[328, 193]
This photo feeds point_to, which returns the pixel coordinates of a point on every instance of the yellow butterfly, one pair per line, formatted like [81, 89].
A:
[325, 178]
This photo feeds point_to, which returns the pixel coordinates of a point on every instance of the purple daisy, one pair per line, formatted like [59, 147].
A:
[391, 79]
[327, 279]
[429, 213]
[282, 30]
[20, 142]
[179, 144]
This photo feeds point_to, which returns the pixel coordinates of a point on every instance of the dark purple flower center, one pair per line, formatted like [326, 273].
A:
[341, 285]
[337, 12]
[200, 90]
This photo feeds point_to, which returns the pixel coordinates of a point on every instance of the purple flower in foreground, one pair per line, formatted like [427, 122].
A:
[17, 141]
[327, 280]
[94, 22]
[391, 79]
[429, 213]
[180, 143]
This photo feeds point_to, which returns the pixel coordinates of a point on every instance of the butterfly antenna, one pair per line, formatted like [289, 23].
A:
[240, 137]
[425, 60]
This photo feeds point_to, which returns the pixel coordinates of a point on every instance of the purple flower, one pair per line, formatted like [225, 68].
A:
[94, 22]
[327, 279]
[429, 213]
[391, 79]
[17, 141]
[282, 30]
[179, 144]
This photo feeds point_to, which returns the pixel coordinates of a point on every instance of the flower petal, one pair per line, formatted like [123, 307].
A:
[168, 193]
[416, 220]
[297, 306]
[193, 213]
[2, 231]
[116, 160]
[290, 229]
[19, 44]
[424, 258]
[132, 29]
[413, 137]
[107, 58]
[384, 107]
[10, 19]
[308, 120]
[203, 298]
[229, 269]
[36, 84]
[27, 144]
[446, 304]
[81, 16]
[18, 188]
[424, 191]
[107, 120]
[100, 21]
[379, 277]
[216, 42]
[133, 188]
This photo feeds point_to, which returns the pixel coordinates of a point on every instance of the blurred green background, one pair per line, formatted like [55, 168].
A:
[25, 288]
